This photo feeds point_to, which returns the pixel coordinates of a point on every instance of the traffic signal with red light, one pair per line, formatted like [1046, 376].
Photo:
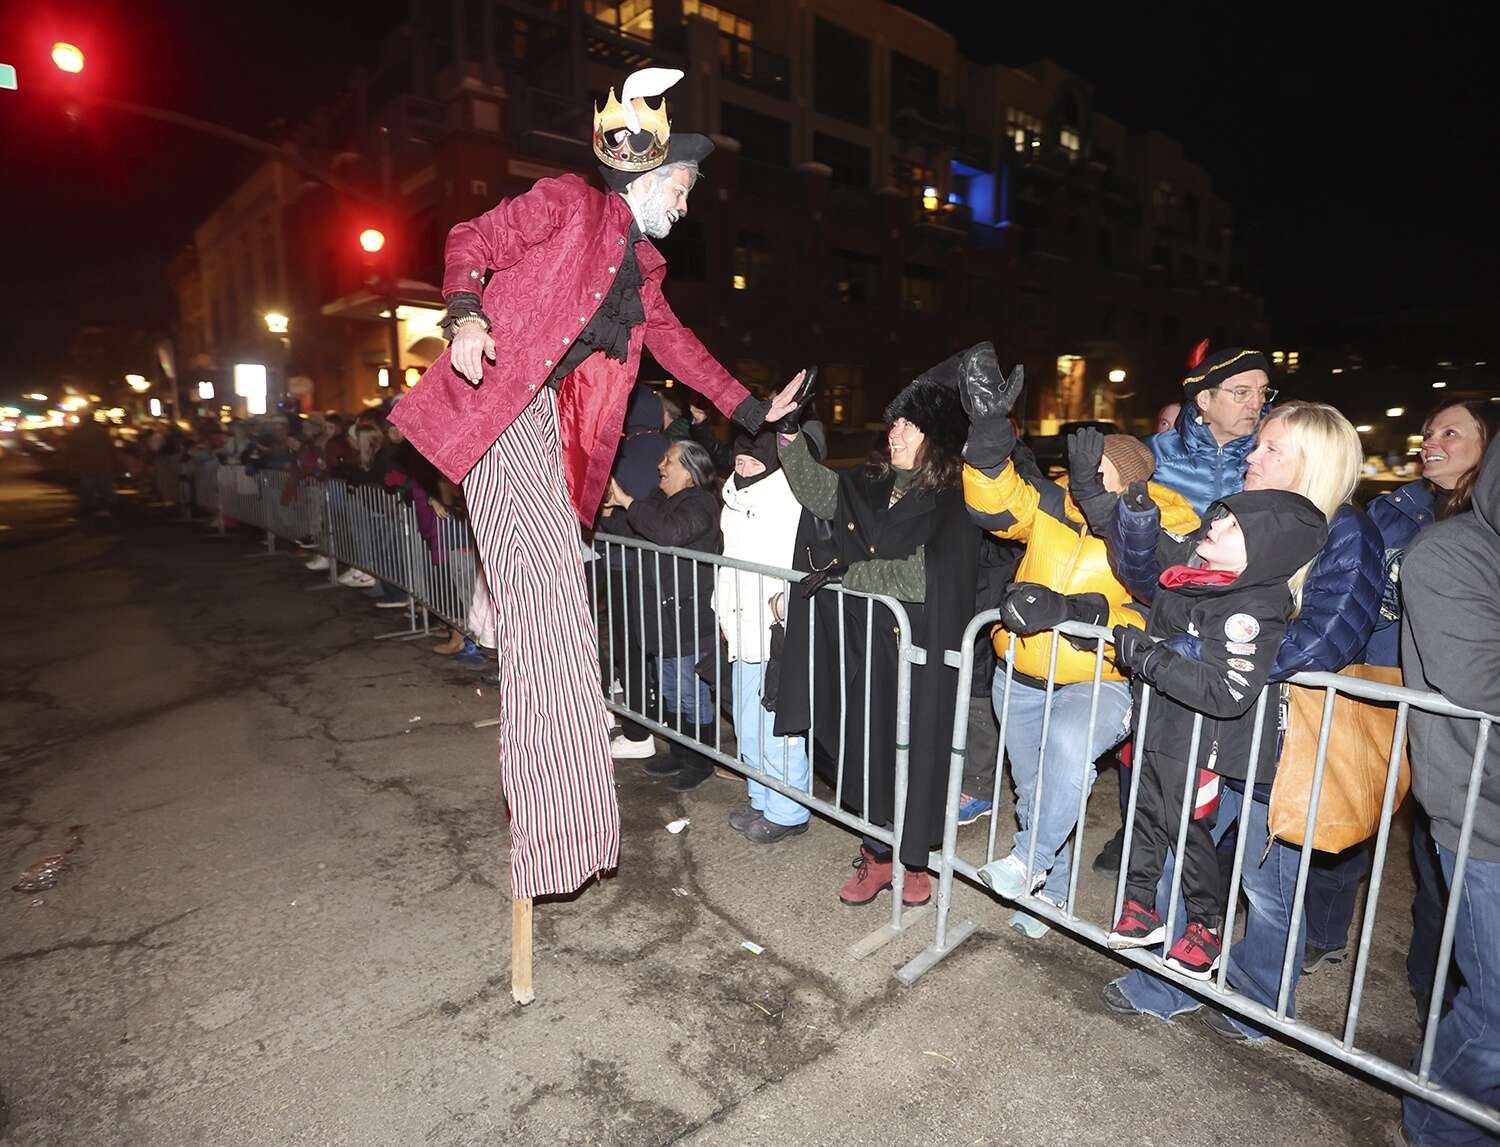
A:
[67, 57]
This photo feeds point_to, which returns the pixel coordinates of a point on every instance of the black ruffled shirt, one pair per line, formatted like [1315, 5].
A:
[608, 331]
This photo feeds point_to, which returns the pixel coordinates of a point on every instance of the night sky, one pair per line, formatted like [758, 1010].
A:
[1359, 156]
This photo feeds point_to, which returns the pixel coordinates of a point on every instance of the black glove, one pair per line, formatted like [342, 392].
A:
[818, 579]
[987, 398]
[1137, 498]
[791, 422]
[1085, 458]
[1134, 651]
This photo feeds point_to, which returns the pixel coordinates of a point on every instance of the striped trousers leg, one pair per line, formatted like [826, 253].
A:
[555, 766]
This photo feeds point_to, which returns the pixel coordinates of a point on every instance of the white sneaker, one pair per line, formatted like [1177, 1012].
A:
[318, 563]
[356, 579]
[1006, 877]
[625, 749]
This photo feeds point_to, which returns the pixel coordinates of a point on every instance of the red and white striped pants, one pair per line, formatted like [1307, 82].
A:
[555, 766]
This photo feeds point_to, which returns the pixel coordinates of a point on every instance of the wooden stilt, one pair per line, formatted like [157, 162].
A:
[520, 951]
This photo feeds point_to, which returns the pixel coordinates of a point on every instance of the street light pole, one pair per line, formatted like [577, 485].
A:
[387, 182]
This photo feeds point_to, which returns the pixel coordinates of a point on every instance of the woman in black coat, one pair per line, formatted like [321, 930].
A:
[683, 513]
[898, 527]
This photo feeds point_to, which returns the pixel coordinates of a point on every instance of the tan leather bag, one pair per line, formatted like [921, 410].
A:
[1359, 747]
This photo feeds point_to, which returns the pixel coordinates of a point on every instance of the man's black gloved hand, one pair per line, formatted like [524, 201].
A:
[818, 579]
[1085, 458]
[987, 398]
[1134, 651]
[1137, 498]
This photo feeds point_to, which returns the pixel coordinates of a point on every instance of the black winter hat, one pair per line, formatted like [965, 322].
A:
[931, 401]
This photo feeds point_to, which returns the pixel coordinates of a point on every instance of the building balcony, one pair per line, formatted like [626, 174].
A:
[535, 114]
[951, 218]
[742, 62]
[625, 53]
[927, 129]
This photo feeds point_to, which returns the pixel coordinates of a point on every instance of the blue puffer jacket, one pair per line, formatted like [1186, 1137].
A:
[1190, 460]
[1399, 516]
[1340, 598]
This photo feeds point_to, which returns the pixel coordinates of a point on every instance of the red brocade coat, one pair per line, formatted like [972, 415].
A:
[552, 253]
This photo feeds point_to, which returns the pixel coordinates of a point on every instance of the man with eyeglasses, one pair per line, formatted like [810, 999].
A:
[1202, 457]
[1224, 397]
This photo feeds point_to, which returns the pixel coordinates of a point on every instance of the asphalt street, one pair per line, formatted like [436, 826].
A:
[283, 916]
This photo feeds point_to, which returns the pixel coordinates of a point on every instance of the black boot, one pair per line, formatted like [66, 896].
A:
[664, 764]
[695, 768]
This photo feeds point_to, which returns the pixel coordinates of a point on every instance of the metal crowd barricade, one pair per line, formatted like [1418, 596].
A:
[1340, 1045]
[206, 488]
[448, 575]
[616, 583]
[239, 495]
[291, 509]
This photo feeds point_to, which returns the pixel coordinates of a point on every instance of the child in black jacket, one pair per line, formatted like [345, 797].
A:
[1207, 649]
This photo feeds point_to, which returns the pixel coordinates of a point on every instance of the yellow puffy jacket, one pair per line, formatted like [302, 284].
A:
[1060, 554]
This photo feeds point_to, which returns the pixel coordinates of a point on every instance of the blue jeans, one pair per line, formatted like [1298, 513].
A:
[1069, 764]
[784, 758]
[683, 691]
[1332, 890]
[1467, 1055]
[1427, 907]
[1255, 960]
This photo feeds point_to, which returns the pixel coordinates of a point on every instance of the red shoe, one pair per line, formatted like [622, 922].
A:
[1196, 952]
[871, 878]
[1137, 927]
[917, 890]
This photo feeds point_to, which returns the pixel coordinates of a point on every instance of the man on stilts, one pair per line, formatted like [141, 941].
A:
[551, 296]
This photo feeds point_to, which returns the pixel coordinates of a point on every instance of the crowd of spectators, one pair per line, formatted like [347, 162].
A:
[950, 516]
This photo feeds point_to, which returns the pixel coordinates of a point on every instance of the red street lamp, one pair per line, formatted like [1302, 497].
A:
[67, 57]
[372, 240]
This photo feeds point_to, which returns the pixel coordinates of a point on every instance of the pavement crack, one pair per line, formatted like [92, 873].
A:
[136, 939]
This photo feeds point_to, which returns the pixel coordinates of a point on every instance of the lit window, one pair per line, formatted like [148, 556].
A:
[632, 17]
[1278, 357]
[1070, 141]
[739, 283]
[729, 24]
[1022, 129]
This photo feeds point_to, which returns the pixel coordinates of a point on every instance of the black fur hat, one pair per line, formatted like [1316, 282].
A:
[932, 403]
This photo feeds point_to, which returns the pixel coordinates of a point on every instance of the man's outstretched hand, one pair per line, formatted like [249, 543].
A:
[787, 399]
[471, 344]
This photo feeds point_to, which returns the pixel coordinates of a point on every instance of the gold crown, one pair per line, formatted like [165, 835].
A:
[612, 135]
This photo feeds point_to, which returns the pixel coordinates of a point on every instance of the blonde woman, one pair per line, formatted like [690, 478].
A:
[1311, 449]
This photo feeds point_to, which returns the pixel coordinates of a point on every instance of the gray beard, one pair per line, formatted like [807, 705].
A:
[654, 221]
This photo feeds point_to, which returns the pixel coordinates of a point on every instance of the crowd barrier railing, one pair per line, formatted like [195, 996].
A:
[360, 527]
[623, 580]
[1341, 1045]
[374, 531]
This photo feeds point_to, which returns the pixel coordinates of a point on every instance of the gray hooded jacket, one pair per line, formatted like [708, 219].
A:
[1450, 644]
